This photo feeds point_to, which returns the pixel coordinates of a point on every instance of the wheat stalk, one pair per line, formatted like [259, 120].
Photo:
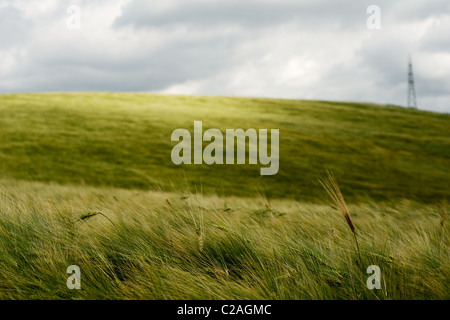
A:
[332, 189]
[443, 217]
[200, 232]
[93, 214]
[443, 214]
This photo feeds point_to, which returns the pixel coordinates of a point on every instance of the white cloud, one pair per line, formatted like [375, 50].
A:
[286, 48]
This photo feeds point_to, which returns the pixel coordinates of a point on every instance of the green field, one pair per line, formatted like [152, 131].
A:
[220, 231]
[123, 140]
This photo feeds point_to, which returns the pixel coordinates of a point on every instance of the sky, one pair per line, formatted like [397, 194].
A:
[295, 49]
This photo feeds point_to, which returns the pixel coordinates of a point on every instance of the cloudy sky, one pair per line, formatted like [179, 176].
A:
[301, 49]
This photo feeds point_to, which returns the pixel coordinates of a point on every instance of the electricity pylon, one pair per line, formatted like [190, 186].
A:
[412, 103]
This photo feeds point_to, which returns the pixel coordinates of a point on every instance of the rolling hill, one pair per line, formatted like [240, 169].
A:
[124, 140]
[86, 179]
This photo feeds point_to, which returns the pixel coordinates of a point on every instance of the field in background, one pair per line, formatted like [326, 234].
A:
[123, 140]
[221, 231]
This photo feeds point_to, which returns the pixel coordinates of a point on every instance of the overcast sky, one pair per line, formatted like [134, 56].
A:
[301, 49]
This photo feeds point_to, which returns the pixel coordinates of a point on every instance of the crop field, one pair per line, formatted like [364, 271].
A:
[87, 179]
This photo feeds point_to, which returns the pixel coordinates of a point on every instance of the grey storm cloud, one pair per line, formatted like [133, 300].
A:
[308, 49]
[13, 27]
[247, 14]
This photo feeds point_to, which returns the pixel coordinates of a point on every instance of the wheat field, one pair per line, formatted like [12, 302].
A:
[179, 245]
[86, 179]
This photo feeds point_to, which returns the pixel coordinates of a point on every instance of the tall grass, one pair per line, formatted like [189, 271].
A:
[195, 248]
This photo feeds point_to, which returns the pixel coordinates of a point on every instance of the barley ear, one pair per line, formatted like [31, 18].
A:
[331, 187]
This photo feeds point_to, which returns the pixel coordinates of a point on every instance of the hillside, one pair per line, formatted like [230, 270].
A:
[88, 180]
[124, 140]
